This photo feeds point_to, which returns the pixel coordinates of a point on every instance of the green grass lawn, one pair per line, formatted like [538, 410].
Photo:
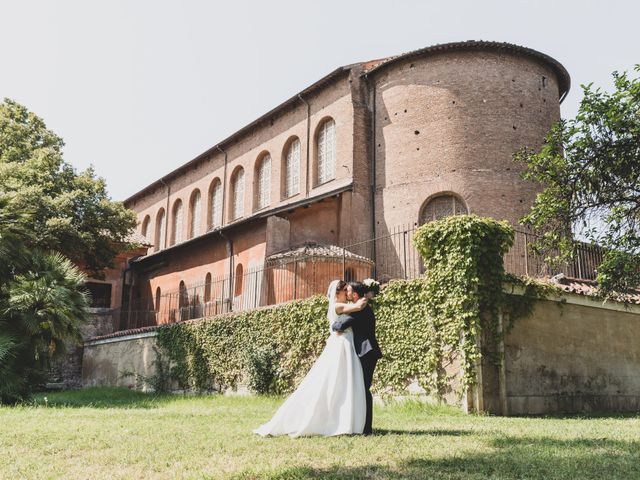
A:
[115, 433]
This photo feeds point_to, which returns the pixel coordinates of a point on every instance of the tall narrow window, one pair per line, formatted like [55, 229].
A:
[160, 230]
[158, 297]
[292, 170]
[238, 194]
[176, 235]
[194, 227]
[207, 288]
[215, 207]
[238, 280]
[183, 295]
[264, 182]
[144, 230]
[326, 152]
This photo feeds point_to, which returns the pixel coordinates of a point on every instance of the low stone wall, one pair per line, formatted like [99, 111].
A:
[105, 362]
[574, 354]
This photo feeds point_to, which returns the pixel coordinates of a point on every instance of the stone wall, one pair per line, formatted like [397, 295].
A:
[67, 371]
[107, 361]
[578, 356]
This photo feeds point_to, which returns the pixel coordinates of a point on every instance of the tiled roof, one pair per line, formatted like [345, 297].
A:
[136, 237]
[588, 288]
[312, 249]
[124, 333]
[564, 80]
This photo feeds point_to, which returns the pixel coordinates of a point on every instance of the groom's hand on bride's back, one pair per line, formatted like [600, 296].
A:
[344, 321]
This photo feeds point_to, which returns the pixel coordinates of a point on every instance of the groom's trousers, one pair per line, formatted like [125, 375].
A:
[368, 362]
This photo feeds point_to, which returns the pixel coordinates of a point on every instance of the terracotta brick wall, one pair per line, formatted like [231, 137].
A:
[437, 123]
[450, 123]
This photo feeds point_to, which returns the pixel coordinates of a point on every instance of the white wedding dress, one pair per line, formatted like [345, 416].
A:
[331, 398]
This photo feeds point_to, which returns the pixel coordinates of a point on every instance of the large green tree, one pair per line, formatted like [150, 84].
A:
[72, 212]
[590, 169]
[52, 219]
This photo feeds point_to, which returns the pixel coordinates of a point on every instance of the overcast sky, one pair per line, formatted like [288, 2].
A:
[137, 88]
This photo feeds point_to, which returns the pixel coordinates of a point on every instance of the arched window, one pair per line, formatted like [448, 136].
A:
[207, 288]
[215, 204]
[176, 223]
[237, 194]
[442, 206]
[144, 229]
[160, 230]
[196, 218]
[158, 297]
[292, 169]
[183, 295]
[326, 146]
[263, 182]
[238, 281]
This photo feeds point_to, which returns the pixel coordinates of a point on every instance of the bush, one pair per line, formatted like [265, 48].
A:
[261, 369]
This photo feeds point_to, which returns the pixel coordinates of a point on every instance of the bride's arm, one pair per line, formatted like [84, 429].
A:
[351, 307]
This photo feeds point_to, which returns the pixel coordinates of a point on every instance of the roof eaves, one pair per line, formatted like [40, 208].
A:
[176, 172]
[564, 79]
[256, 216]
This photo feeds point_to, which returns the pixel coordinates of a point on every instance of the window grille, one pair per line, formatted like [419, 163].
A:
[177, 222]
[145, 227]
[264, 182]
[238, 195]
[292, 169]
[195, 214]
[326, 152]
[216, 204]
[160, 230]
[442, 206]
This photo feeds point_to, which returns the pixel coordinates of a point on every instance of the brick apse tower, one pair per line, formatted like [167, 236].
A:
[363, 151]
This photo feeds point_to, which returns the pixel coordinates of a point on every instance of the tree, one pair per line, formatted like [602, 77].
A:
[72, 212]
[590, 169]
[52, 219]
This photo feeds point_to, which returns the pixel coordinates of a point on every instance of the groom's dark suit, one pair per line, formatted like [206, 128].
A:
[363, 324]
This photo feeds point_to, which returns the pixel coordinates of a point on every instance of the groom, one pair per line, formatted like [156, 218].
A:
[363, 324]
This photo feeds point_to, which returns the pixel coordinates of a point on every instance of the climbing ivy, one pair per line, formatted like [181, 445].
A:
[463, 256]
[429, 328]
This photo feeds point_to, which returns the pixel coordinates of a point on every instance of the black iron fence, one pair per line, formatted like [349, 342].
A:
[302, 277]
[274, 283]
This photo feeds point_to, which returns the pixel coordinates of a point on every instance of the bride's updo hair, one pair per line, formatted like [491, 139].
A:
[341, 286]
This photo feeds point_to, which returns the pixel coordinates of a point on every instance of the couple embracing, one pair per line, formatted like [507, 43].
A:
[334, 397]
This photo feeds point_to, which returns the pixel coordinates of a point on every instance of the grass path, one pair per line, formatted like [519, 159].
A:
[114, 433]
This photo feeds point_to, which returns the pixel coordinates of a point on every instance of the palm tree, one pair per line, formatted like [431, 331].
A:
[42, 305]
[49, 303]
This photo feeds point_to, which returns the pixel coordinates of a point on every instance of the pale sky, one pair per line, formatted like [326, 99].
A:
[138, 88]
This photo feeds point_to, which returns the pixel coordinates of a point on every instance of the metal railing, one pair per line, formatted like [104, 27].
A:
[301, 277]
[271, 284]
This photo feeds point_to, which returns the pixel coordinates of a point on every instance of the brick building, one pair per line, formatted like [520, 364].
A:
[368, 147]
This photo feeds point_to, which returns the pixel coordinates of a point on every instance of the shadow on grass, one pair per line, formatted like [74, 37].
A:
[433, 432]
[101, 397]
[508, 458]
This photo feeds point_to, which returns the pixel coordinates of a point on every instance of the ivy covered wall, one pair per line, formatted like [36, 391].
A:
[424, 325]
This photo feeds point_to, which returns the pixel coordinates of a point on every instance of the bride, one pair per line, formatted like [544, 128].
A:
[331, 398]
